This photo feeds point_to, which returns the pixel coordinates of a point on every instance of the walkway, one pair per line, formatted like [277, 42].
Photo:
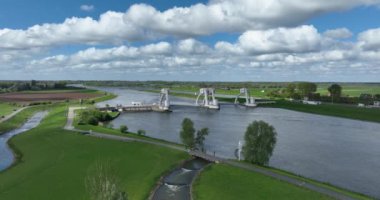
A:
[12, 114]
[69, 126]
[246, 166]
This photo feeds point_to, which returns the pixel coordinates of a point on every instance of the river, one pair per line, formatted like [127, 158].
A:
[6, 155]
[343, 152]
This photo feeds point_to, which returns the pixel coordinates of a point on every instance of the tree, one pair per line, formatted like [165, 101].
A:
[335, 91]
[306, 88]
[123, 129]
[376, 97]
[200, 138]
[103, 184]
[33, 83]
[187, 133]
[366, 99]
[92, 121]
[260, 140]
[290, 90]
[141, 132]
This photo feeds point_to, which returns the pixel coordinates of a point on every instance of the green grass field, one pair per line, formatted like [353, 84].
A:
[6, 108]
[349, 89]
[353, 90]
[55, 162]
[225, 182]
[337, 110]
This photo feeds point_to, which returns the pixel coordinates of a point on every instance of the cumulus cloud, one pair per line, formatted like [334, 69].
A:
[87, 8]
[279, 40]
[190, 56]
[370, 39]
[109, 29]
[192, 46]
[144, 22]
[340, 33]
[233, 15]
[271, 41]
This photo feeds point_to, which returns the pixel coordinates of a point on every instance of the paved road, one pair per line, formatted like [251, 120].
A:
[12, 114]
[285, 178]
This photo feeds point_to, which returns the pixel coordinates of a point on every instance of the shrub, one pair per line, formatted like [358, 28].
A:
[141, 132]
[123, 129]
[93, 120]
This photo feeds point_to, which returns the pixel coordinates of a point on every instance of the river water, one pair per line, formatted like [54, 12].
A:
[339, 151]
[6, 154]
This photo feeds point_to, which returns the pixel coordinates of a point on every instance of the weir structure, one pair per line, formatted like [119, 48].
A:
[209, 100]
[249, 101]
[164, 101]
[163, 105]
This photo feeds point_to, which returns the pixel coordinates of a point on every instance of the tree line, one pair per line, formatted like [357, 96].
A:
[308, 90]
[15, 86]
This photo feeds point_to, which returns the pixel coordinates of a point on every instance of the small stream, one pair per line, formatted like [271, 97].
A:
[6, 155]
[176, 185]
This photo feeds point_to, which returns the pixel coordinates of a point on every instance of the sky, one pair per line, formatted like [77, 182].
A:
[189, 40]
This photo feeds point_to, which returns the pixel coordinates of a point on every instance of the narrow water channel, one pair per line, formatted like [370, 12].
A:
[176, 185]
[6, 155]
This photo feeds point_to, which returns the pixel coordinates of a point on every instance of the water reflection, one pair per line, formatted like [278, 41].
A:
[6, 154]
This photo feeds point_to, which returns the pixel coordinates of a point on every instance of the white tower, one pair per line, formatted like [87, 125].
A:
[209, 100]
[164, 101]
[249, 101]
[240, 148]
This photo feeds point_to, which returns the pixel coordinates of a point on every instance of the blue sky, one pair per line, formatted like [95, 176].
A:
[191, 43]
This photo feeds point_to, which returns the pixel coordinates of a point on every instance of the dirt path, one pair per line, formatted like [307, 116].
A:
[12, 114]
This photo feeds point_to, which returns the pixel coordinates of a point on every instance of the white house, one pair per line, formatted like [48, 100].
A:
[376, 104]
[137, 103]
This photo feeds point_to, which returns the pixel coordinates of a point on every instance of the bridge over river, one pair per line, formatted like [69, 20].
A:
[163, 105]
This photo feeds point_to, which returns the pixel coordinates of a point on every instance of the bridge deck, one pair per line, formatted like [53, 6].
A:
[205, 156]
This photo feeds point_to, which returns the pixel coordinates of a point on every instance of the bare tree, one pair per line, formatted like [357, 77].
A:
[103, 184]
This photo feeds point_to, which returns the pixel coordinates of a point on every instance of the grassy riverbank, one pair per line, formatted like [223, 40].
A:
[116, 131]
[226, 182]
[55, 162]
[7, 108]
[336, 110]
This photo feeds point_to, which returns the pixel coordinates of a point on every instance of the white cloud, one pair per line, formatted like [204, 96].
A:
[109, 29]
[279, 40]
[340, 33]
[192, 57]
[271, 41]
[159, 48]
[144, 22]
[191, 46]
[370, 39]
[233, 15]
[87, 8]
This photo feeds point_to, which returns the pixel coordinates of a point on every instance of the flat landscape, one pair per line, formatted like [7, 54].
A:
[7, 108]
[54, 95]
[190, 100]
[58, 161]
